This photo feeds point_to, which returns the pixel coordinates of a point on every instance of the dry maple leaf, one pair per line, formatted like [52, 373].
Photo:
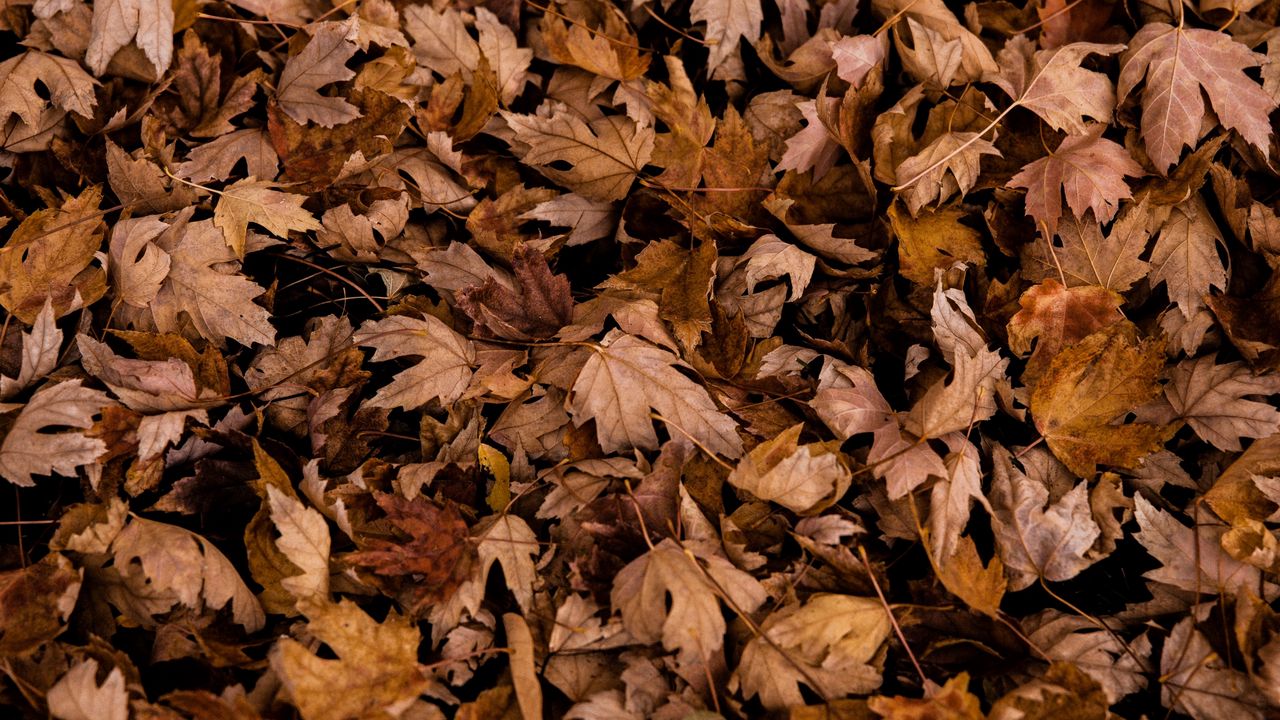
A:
[78, 696]
[1039, 539]
[1191, 558]
[1052, 84]
[69, 87]
[728, 22]
[433, 558]
[667, 595]
[539, 307]
[1090, 385]
[829, 644]
[304, 540]
[1185, 256]
[39, 354]
[1212, 398]
[624, 378]
[1178, 63]
[1089, 168]
[1053, 317]
[321, 62]
[603, 156]
[202, 293]
[1198, 682]
[251, 201]
[116, 23]
[50, 256]
[161, 565]
[376, 667]
[443, 372]
[28, 450]
[1081, 256]
[801, 478]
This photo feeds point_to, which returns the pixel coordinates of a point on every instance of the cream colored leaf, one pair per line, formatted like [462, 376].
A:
[769, 258]
[443, 372]
[27, 450]
[955, 406]
[604, 156]
[70, 88]
[78, 696]
[321, 62]
[976, 63]
[951, 498]
[376, 669]
[1039, 539]
[795, 477]
[832, 641]
[169, 565]
[1081, 256]
[116, 23]
[624, 378]
[304, 540]
[668, 595]
[1213, 400]
[251, 201]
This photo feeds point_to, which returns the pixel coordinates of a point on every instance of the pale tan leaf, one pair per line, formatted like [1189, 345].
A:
[1081, 256]
[78, 696]
[304, 540]
[321, 62]
[215, 159]
[443, 372]
[1200, 683]
[169, 565]
[1185, 256]
[976, 62]
[1191, 559]
[624, 378]
[202, 293]
[830, 644]
[728, 22]
[1052, 84]
[138, 266]
[251, 201]
[508, 541]
[116, 23]
[70, 88]
[28, 450]
[509, 61]
[1213, 400]
[604, 155]
[441, 41]
[796, 477]
[1039, 539]
[669, 595]
[948, 165]
[39, 353]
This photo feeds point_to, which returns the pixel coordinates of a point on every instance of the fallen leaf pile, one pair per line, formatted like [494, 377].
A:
[655, 359]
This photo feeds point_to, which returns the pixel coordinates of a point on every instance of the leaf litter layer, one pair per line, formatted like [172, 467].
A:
[724, 358]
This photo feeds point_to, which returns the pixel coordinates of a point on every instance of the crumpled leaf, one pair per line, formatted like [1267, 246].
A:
[801, 478]
[116, 23]
[832, 641]
[1039, 539]
[691, 621]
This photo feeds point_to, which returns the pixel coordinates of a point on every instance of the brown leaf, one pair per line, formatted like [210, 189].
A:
[539, 306]
[1087, 388]
[1089, 168]
[430, 555]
